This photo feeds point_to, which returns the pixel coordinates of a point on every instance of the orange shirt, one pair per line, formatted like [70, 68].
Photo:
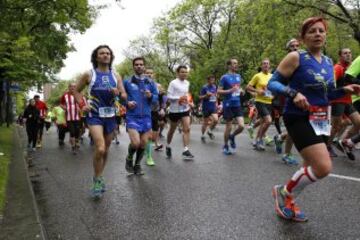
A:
[339, 70]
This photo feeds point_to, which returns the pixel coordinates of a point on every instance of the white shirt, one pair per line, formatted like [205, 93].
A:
[178, 88]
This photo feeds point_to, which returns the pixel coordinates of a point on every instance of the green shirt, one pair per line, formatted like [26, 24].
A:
[59, 115]
[354, 71]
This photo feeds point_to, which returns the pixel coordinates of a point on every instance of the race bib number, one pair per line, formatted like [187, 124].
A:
[106, 112]
[236, 93]
[319, 118]
[212, 98]
[268, 93]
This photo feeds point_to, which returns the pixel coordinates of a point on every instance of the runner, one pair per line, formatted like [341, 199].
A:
[288, 157]
[31, 117]
[48, 120]
[60, 121]
[104, 85]
[209, 108]
[41, 106]
[311, 83]
[230, 87]
[156, 113]
[142, 94]
[258, 86]
[73, 120]
[162, 115]
[352, 75]
[179, 110]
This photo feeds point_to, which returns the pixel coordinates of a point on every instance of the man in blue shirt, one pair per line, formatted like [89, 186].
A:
[230, 88]
[209, 107]
[142, 94]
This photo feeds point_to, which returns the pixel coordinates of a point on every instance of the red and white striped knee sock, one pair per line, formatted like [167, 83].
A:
[303, 177]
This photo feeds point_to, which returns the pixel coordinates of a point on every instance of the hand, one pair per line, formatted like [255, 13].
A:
[162, 112]
[235, 88]
[148, 94]
[242, 92]
[209, 94]
[260, 92]
[115, 91]
[131, 104]
[86, 108]
[301, 102]
[183, 100]
[353, 89]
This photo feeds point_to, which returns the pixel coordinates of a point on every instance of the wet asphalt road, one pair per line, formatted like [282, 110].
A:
[212, 197]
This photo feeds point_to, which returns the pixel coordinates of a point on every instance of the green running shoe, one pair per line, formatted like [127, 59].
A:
[150, 161]
[96, 189]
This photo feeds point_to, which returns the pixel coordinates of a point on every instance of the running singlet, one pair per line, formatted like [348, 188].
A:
[354, 71]
[102, 100]
[228, 81]
[260, 82]
[209, 103]
[314, 80]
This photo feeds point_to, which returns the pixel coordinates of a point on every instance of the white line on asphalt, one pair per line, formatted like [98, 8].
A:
[344, 177]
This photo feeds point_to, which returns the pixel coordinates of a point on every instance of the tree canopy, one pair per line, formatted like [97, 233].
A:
[205, 33]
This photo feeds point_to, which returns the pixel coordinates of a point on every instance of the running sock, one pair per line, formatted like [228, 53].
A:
[186, 148]
[303, 177]
[148, 149]
[139, 155]
[131, 151]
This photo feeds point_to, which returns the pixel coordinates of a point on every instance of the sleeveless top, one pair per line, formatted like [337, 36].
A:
[313, 79]
[101, 100]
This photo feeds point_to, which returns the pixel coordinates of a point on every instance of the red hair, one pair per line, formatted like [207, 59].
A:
[311, 21]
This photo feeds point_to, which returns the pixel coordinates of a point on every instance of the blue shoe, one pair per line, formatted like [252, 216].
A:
[299, 216]
[290, 159]
[283, 203]
[232, 141]
[96, 189]
[278, 144]
[226, 150]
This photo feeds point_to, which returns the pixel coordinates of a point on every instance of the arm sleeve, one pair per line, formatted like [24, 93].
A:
[275, 84]
[334, 93]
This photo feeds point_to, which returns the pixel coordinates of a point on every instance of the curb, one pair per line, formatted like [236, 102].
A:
[36, 209]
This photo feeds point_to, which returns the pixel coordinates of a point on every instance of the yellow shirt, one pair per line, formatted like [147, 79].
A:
[260, 81]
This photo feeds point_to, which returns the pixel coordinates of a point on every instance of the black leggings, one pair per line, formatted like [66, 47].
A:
[31, 130]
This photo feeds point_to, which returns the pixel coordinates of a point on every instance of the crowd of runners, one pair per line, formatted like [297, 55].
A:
[317, 101]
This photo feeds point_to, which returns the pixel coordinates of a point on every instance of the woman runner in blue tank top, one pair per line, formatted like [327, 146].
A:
[104, 87]
[311, 85]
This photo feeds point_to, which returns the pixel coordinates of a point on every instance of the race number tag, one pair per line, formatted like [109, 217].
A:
[267, 93]
[236, 93]
[212, 98]
[319, 118]
[106, 112]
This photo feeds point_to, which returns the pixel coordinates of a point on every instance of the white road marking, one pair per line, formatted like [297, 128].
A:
[344, 177]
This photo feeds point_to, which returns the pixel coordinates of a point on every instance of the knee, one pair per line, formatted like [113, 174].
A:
[101, 150]
[186, 130]
[323, 170]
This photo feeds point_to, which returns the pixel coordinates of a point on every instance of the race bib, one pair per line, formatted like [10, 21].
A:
[106, 112]
[319, 118]
[268, 93]
[212, 98]
[236, 93]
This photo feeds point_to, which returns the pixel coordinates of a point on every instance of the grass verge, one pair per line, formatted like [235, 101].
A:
[6, 142]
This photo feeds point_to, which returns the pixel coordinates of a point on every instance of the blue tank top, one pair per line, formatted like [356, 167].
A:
[100, 96]
[312, 79]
